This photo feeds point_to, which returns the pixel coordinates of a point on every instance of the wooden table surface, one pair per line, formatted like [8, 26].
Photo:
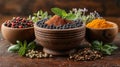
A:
[13, 60]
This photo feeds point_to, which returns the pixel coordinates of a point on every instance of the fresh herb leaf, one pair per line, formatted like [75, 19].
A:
[31, 45]
[57, 11]
[71, 17]
[63, 14]
[22, 51]
[81, 14]
[21, 47]
[14, 48]
[104, 48]
[38, 16]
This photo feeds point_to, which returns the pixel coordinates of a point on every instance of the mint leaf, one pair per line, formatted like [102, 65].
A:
[57, 11]
[21, 47]
[64, 13]
[22, 51]
[104, 48]
[70, 16]
[14, 48]
[31, 45]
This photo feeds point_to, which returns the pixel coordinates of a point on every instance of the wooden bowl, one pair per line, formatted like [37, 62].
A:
[106, 35]
[59, 41]
[21, 34]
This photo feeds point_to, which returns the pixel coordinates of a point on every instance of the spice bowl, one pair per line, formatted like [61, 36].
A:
[14, 34]
[106, 35]
[59, 41]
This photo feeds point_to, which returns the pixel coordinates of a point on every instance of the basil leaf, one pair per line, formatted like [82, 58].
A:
[57, 11]
[70, 16]
[14, 48]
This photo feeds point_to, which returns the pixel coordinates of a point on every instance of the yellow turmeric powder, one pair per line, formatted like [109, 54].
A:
[99, 23]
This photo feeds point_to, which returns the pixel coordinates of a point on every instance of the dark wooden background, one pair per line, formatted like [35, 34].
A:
[26, 7]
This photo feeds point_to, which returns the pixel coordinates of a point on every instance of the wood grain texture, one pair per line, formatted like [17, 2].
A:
[13, 60]
[26, 7]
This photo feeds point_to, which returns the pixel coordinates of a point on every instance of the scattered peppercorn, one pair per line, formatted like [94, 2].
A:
[37, 54]
[18, 22]
[86, 54]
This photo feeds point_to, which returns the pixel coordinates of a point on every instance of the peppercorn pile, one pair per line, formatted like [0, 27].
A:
[36, 54]
[74, 24]
[18, 22]
[86, 54]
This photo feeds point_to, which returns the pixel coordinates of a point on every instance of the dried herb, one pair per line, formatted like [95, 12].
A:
[38, 16]
[81, 14]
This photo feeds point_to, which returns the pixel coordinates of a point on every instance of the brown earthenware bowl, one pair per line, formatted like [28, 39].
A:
[106, 35]
[13, 34]
[59, 41]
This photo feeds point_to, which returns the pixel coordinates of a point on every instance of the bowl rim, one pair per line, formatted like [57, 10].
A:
[36, 26]
[114, 26]
[15, 28]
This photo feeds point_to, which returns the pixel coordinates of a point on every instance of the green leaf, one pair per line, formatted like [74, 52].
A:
[19, 43]
[41, 12]
[22, 51]
[114, 47]
[25, 43]
[105, 51]
[21, 47]
[71, 16]
[44, 15]
[57, 11]
[14, 48]
[31, 45]
[38, 13]
[104, 48]
[64, 13]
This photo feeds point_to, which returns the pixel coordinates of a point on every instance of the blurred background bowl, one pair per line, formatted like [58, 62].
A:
[21, 34]
[59, 41]
[106, 35]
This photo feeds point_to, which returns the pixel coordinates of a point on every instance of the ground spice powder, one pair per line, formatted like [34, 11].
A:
[99, 23]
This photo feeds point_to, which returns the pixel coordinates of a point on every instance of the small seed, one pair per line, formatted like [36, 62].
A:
[50, 55]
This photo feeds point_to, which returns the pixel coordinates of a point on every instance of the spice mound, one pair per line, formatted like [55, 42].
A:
[18, 22]
[57, 20]
[86, 54]
[37, 54]
[99, 23]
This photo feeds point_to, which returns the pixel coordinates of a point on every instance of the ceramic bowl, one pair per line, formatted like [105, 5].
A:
[21, 34]
[106, 35]
[59, 41]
